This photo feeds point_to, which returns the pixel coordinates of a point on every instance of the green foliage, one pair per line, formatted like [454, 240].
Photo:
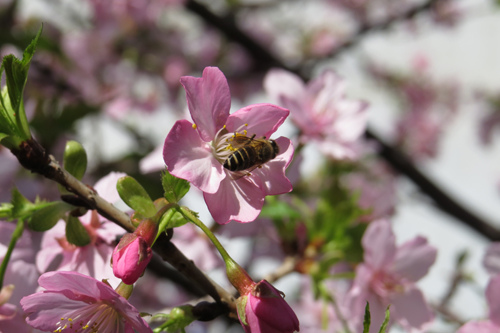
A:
[383, 328]
[21, 207]
[47, 216]
[135, 196]
[41, 215]
[367, 320]
[75, 159]
[76, 233]
[174, 188]
[178, 318]
[13, 122]
[175, 220]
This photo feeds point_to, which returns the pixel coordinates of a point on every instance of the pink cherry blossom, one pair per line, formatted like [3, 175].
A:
[20, 277]
[196, 152]
[493, 324]
[491, 259]
[321, 111]
[93, 259]
[73, 299]
[267, 312]
[387, 277]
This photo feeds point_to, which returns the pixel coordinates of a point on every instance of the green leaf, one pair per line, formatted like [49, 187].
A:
[176, 220]
[383, 328]
[16, 72]
[241, 304]
[75, 159]
[175, 188]
[135, 196]
[178, 318]
[20, 205]
[6, 211]
[76, 233]
[46, 217]
[367, 320]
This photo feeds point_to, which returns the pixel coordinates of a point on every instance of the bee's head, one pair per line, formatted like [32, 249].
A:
[276, 149]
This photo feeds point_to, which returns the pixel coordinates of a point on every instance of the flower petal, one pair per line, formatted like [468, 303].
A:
[239, 200]
[479, 327]
[271, 175]
[414, 258]
[188, 157]
[379, 244]
[76, 282]
[45, 309]
[262, 119]
[209, 101]
[491, 260]
[106, 186]
[411, 310]
[493, 298]
[280, 83]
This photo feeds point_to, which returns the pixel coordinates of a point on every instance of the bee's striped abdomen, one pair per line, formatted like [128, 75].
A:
[243, 158]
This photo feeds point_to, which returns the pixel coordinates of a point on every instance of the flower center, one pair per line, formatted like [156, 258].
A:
[223, 143]
[92, 318]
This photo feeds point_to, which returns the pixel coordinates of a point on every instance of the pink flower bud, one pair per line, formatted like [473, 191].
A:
[130, 258]
[265, 311]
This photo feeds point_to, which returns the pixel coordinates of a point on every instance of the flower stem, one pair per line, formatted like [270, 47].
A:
[238, 277]
[190, 216]
[15, 236]
[165, 218]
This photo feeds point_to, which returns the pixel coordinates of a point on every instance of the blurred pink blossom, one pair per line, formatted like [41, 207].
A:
[321, 111]
[387, 277]
[94, 259]
[493, 324]
[20, 277]
[376, 186]
[196, 152]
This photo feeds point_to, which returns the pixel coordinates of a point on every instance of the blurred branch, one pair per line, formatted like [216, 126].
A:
[392, 155]
[287, 267]
[385, 24]
[401, 163]
[263, 59]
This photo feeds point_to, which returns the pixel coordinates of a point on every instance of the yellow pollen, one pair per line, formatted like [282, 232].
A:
[194, 126]
[224, 126]
[246, 124]
[245, 132]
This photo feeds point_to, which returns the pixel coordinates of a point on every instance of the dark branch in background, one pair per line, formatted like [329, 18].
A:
[392, 155]
[401, 163]
[263, 59]
[383, 25]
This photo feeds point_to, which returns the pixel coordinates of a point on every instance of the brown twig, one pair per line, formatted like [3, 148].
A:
[287, 267]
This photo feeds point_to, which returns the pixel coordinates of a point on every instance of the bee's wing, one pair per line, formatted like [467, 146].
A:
[235, 175]
[240, 140]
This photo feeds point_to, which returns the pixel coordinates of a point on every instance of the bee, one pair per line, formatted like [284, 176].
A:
[250, 152]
